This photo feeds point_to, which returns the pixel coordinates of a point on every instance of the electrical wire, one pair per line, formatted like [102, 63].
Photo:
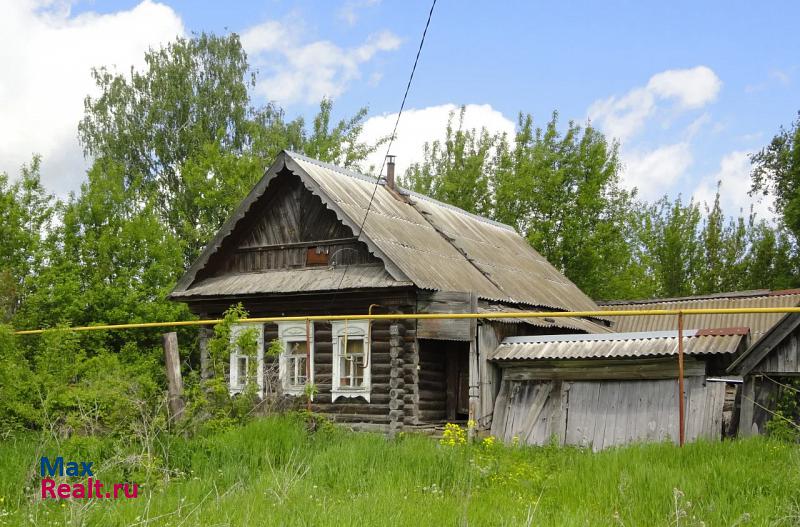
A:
[391, 139]
[792, 388]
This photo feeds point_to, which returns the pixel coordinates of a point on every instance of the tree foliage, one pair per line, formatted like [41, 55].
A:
[560, 189]
[776, 171]
[189, 140]
[173, 149]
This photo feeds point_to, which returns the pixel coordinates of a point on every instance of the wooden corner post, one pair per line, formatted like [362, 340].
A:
[474, 382]
[172, 363]
[681, 406]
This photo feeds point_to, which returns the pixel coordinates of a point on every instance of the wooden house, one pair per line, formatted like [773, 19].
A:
[603, 390]
[315, 239]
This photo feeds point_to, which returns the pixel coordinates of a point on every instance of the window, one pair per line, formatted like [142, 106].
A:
[296, 364]
[351, 360]
[240, 363]
[241, 371]
[351, 363]
[297, 360]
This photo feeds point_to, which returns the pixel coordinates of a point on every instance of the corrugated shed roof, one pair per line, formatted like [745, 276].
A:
[441, 247]
[757, 322]
[617, 345]
[580, 324]
[293, 280]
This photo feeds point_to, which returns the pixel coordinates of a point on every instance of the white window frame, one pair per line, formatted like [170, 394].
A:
[354, 330]
[235, 386]
[289, 332]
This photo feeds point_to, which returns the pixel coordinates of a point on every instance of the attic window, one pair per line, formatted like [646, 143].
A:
[316, 256]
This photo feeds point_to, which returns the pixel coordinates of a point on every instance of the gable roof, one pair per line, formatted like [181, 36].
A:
[619, 345]
[421, 241]
[758, 323]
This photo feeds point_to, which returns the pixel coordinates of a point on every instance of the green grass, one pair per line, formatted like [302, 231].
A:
[275, 472]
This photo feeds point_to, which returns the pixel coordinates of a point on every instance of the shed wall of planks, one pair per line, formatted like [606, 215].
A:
[784, 359]
[602, 414]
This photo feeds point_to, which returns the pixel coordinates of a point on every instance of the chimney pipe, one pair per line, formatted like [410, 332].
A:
[390, 172]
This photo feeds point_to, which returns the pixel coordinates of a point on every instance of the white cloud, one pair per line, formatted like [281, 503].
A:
[46, 59]
[418, 126]
[655, 171]
[734, 178]
[693, 88]
[294, 71]
[349, 12]
[625, 116]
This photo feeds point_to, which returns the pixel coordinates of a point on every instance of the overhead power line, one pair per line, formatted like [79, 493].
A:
[429, 316]
[391, 137]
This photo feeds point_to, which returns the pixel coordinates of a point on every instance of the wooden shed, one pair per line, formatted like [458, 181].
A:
[766, 367]
[605, 390]
[315, 239]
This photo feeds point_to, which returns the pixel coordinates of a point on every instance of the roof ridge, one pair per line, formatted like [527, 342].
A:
[638, 335]
[404, 191]
[751, 293]
[630, 335]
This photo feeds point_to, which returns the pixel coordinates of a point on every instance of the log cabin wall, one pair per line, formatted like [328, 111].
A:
[356, 412]
[432, 383]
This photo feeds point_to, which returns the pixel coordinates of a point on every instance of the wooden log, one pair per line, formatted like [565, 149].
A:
[172, 363]
[340, 407]
[427, 416]
[205, 362]
[433, 368]
[375, 399]
[359, 418]
[432, 395]
[432, 405]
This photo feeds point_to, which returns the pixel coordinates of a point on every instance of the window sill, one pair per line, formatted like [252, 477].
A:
[294, 391]
[350, 394]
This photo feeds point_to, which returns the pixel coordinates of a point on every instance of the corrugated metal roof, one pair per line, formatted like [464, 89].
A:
[580, 324]
[293, 280]
[444, 248]
[757, 322]
[617, 345]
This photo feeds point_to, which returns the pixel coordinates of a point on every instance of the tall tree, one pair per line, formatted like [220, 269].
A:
[26, 213]
[671, 239]
[561, 191]
[724, 251]
[457, 169]
[188, 138]
[776, 171]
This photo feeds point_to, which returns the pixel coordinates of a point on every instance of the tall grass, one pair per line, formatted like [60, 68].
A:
[275, 472]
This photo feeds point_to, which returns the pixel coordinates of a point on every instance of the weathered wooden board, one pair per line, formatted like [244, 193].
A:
[596, 369]
[784, 359]
[608, 413]
[445, 302]
[287, 223]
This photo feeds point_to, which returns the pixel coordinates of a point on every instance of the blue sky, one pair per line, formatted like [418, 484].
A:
[689, 87]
